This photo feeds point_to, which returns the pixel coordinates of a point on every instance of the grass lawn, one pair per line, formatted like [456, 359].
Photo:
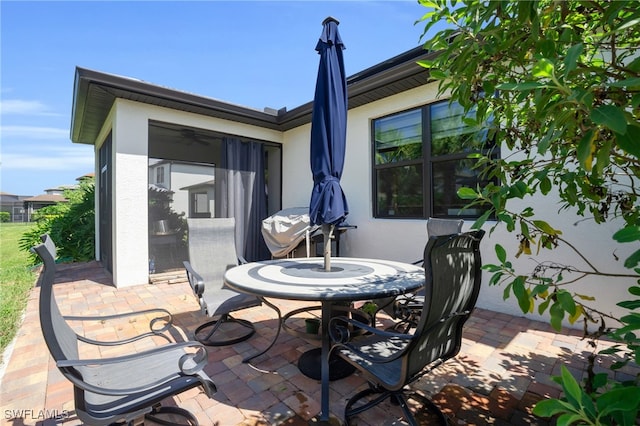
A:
[16, 279]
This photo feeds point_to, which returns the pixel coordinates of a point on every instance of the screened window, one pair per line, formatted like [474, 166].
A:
[421, 160]
[200, 204]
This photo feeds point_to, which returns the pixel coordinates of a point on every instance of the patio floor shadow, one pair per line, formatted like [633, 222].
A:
[504, 367]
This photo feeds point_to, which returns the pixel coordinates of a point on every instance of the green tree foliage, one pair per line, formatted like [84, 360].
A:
[558, 84]
[5, 217]
[70, 224]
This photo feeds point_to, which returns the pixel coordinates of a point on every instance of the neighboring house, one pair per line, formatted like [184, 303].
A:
[22, 207]
[14, 205]
[192, 185]
[51, 197]
[402, 166]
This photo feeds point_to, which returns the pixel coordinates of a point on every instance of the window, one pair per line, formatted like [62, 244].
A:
[160, 175]
[421, 160]
[200, 204]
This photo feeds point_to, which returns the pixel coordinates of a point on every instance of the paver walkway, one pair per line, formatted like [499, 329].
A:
[504, 366]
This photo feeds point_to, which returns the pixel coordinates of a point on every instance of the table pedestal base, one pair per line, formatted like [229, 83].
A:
[333, 421]
[310, 361]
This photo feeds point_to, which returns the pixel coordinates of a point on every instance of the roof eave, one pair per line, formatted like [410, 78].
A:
[95, 92]
[93, 84]
[367, 86]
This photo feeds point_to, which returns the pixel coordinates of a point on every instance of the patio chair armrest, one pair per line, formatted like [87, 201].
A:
[340, 336]
[189, 364]
[128, 357]
[444, 319]
[192, 362]
[340, 333]
[158, 325]
[195, 280]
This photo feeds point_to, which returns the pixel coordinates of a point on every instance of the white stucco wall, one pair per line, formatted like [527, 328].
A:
[404, 240]
[130, 171]
[393, 239]
[370, 237]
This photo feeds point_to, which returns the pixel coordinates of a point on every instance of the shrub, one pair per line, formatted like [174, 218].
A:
[70, 224]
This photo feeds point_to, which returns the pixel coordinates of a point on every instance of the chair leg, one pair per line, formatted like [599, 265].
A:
[156, 415]
[139, 421]
[215, 325]
[429, 405]
[408, 415]
[350, 411]
[396, 398]
[275, 308]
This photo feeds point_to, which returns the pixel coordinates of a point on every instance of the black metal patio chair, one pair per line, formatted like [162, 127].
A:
[406, 308]
[391, 361]
[125, 388]
[212, 250]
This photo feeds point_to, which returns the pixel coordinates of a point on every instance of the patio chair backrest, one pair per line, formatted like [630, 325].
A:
[437, 226]
[61, 340]
[212, 249]
[452, 283]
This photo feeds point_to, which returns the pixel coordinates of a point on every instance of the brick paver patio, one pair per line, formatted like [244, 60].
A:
[505, 365]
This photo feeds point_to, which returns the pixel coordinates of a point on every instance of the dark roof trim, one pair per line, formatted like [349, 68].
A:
[46, 198]
[408, 57]
[95, 92]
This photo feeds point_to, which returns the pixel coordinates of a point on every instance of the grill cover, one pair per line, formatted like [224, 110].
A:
[283, 231]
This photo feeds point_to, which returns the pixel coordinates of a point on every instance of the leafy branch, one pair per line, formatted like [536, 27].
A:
[557, 86]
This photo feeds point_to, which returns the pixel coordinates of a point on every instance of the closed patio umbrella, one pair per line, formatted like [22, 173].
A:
[328, 205]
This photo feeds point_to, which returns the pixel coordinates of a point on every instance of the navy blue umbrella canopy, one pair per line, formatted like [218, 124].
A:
[329, 130]
[328, 206]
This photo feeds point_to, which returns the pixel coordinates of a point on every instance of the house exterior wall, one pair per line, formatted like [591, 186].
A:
[404, 239]
[130, 187]
[130, 122]
[395, 239]
[356, 182]
[107, 127]
[14, 205]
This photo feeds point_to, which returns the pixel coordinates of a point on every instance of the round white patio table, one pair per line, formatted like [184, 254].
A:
[305, 279]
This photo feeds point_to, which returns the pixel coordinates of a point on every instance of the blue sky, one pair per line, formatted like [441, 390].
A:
[253, 53]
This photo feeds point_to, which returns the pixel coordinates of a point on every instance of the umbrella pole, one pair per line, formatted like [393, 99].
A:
[327, 230]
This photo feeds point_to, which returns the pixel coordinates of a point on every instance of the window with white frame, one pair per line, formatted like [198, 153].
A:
[421, 160]
[160, 175]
